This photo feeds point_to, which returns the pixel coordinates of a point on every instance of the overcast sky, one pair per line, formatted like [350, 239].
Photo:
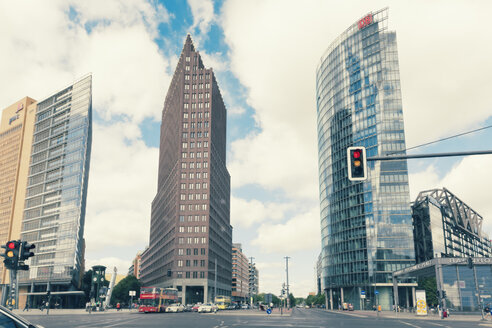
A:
[264, 54]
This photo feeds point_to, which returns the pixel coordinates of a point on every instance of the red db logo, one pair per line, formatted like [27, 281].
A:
[365, 21]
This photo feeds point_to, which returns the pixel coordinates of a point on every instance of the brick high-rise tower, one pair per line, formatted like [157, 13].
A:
[190, 231]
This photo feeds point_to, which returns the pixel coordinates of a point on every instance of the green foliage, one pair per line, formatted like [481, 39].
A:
[259, 298]
[315, 300]
[430, 287]
[292, 300]
[120, 291]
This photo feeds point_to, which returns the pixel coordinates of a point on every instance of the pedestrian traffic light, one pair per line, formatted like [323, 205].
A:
[11, 254]
[357, 163]
[25, 252]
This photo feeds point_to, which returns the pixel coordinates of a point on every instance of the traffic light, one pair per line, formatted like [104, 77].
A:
[357, 163]
[26, 253]
[11, 254]
[443, 294]
[470, 262]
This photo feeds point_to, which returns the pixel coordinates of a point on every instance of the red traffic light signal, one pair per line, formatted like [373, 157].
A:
[11, 254]
[357, 163]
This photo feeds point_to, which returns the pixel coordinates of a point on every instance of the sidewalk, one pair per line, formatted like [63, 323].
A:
[68, 312]
[413, 316]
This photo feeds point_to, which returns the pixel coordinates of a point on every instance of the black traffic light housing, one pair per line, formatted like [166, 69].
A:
[25, 254]
[11, 254]
[357, 163]
[470, 262]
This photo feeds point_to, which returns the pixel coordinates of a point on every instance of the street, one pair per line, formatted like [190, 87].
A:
[307, 318]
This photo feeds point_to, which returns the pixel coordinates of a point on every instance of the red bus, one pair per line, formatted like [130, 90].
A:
[156, 299]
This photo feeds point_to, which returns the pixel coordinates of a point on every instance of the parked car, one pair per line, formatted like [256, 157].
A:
[209, 307]
[350, 307]
[195, 307]
[176, 307]
[188, 307]
[244, 306]
[9, 319]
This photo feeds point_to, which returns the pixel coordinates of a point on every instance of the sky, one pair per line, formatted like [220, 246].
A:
[264, 55]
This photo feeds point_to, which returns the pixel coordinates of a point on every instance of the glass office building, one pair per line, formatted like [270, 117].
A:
[366, 227]
[54, 211]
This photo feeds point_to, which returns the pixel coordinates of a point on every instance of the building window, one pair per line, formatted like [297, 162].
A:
[207, 95]
[181, 229]
[204, 229]
[184, 155]
[192, 165]
[186, 96]
[195, 251]
[205, 185]
[188, 263]
[187, 77]
[204, 240]
[204, 207]
[185, 145]
[183, 197]
[202, 274]
[198, 155]
[190, 207]
[183, 186]
[207, 85]
[190, 218]
[198, 165]
[198, 175]
[205, 144]
[187, 87]
[183, 165]
[180, 263]
[190, 196]
[207, 114]
[189, 240]
[187, 68]
[198, 196]
[180, 240]
[197, 218]
[185, 125]
[195, 274]
[202, 263]
[204, 196]
[187, 274]
[202, 251]
[205, 165]
[205, 175]
[204, 217]
[186, 106]
[196, 240]
[197, 229]
[191, 185]
[181, 218]
[197, 185]
[188, 251]
[187, 58]
[207, 105]
[192, 144]
[180, 251]
[205, 134]
[185, 135]
[195, 263]
[180, 274]
[181, 207]
[190, 229]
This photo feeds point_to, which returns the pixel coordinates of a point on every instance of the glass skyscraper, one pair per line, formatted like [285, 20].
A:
[54, 210]
[366, 227]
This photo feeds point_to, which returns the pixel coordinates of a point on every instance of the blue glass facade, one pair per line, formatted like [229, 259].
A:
[54, 213]
[366, 226]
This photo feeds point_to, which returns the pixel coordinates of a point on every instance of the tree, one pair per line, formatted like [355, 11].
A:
[120, 291]
[430, 287]
[292, 300]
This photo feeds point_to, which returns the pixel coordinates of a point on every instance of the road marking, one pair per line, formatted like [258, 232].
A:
[99, 325]
[350, 314]
[437, 324]
[410, 324]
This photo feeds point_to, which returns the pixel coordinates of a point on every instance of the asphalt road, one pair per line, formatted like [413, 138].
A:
[305, 318]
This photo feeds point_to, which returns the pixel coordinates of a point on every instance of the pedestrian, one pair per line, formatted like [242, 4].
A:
[26, 307]
[118, 306]
[487, 310]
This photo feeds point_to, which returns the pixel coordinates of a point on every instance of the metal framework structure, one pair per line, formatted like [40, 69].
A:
[461, 227]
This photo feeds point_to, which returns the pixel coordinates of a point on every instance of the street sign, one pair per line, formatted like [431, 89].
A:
[132, 293]
[362, 296]
[363, 292]
[376, 292]
[269, 311]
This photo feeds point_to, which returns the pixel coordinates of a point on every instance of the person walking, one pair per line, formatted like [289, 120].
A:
[26, 307]
[486, 309]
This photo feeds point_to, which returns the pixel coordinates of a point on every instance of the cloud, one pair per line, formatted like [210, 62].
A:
[297, 234]
[121, 265]
[245, 214]
[115, 41]
[203, 14]
[236, 111]
[122, 170]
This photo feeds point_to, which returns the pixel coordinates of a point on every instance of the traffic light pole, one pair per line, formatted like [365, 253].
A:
[14, 290]
[462, 153]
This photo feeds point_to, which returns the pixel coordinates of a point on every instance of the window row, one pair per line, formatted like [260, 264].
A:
[200, 106]
[194, 196]
[197, 86]
[198, 134]
[191, 217]
[188, 251]
[197, 125]
[195, 207]
[192, 229]
[192, 144]
[192, 175]
[200, 95]
[196, 115]
[192, 154]
[192, 240]
[179, 274]
[192, 165]
[200, 76]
